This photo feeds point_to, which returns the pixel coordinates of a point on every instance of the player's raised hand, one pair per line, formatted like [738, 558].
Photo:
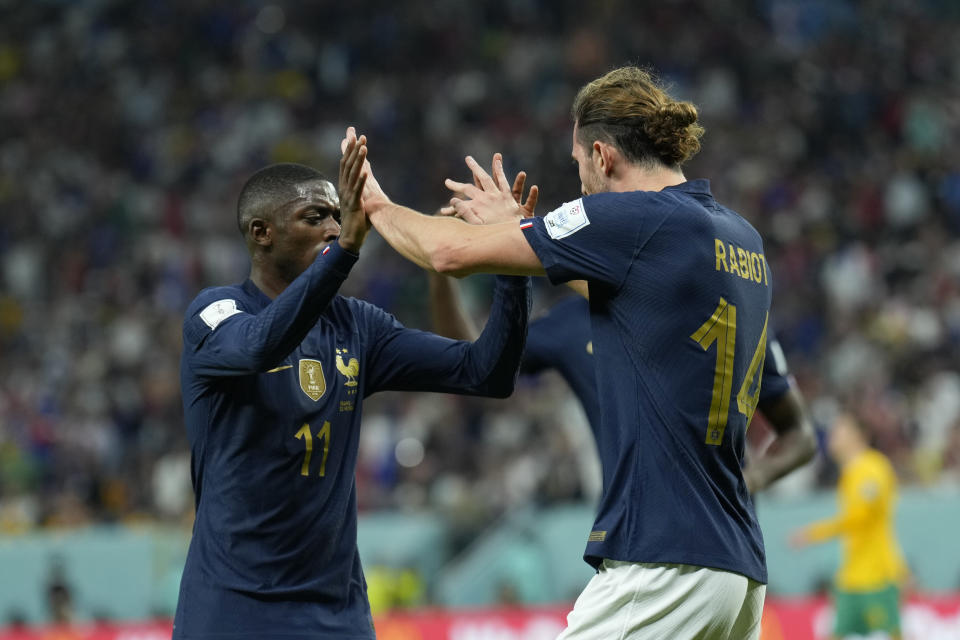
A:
[530, 205]
[373, 194]
[353, 220]
[490, 199]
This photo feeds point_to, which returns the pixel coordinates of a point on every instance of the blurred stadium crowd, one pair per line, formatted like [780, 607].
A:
[129, 127]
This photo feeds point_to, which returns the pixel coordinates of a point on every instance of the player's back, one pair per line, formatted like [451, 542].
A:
[561, 340]
[680, 345]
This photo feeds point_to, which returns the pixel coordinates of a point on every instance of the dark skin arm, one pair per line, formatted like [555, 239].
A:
[794, 446]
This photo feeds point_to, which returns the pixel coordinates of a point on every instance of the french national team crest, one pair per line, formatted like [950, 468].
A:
[350, 368]
[312, 381]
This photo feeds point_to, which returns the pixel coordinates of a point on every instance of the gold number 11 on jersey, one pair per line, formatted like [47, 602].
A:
[307, 437]
[722, 329]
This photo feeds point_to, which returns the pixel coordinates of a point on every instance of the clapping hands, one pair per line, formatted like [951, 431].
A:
[354, 152]
[490, 200]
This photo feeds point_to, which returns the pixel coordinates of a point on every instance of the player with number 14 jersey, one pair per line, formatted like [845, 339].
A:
[675, 280]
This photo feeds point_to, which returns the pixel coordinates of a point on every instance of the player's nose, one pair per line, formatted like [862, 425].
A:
[332, 231]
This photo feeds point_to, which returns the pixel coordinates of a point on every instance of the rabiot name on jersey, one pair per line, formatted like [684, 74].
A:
[749, 265]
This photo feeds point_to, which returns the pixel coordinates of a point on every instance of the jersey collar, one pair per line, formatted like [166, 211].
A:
[254, 292]
[700, 186]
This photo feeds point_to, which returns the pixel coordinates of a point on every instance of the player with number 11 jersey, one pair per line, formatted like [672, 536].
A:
[273, 374]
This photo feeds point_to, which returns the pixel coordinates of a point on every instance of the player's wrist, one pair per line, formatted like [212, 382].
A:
[350, 245]
[376, 205]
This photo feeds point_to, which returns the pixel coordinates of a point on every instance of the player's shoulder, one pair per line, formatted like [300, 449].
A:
[875, 463]
[354, 305]
[618, 211]
[870, 467]
[211, 307]
[692, 200]
[692, 193]
[211, 295]
[628, 201]
[345, 309]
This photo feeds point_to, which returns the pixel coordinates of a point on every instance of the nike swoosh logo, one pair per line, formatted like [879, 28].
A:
[286, 366]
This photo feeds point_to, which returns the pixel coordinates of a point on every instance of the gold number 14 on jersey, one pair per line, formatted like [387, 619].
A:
[722, 329]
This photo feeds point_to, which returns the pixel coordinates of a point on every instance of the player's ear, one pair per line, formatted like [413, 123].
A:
[605, 156]
[596, 154]
[260, 232]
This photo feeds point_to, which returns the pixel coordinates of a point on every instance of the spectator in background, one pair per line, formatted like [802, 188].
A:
[125, 125]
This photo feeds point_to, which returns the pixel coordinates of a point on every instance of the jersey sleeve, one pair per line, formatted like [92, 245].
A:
[776, 377]
[223, 338]
[410, 360]
[593, 238]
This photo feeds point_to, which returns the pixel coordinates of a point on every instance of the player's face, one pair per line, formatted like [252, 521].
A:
[843, 437]
[304, 226]
[591, 180]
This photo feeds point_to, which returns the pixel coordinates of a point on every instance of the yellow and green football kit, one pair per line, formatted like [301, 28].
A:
[872, 568]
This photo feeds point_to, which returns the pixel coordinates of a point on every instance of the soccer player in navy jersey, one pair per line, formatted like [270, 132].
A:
[560, 339]
[273, 375]
[679, 301]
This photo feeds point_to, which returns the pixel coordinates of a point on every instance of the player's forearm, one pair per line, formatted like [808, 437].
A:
[449, 317]
[417, 237]
[453, 247]
[258, 342]
[852, 518]
[493, 360]
[789, 451]
[795, 444]
[823, 530]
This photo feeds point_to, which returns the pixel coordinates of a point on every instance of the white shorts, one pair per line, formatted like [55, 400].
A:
[644, 601]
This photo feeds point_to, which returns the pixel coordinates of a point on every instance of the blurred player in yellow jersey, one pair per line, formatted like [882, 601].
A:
[867, 596]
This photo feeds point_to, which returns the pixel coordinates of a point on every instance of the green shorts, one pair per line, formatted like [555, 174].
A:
[861, 612]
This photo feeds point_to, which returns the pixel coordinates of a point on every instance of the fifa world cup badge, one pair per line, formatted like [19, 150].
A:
[312, 381]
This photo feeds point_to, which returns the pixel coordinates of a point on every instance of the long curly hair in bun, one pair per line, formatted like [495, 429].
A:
[628, 108]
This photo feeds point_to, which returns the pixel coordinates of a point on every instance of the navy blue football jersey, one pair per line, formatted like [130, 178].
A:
[679, 301]
[272, 394]
[561, 340]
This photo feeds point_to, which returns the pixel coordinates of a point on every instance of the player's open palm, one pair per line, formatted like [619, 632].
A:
[372, 194]
[490, 200]
[353, 221]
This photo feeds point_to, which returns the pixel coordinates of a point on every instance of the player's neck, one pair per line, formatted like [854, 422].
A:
[635, 178]
[270, 283]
